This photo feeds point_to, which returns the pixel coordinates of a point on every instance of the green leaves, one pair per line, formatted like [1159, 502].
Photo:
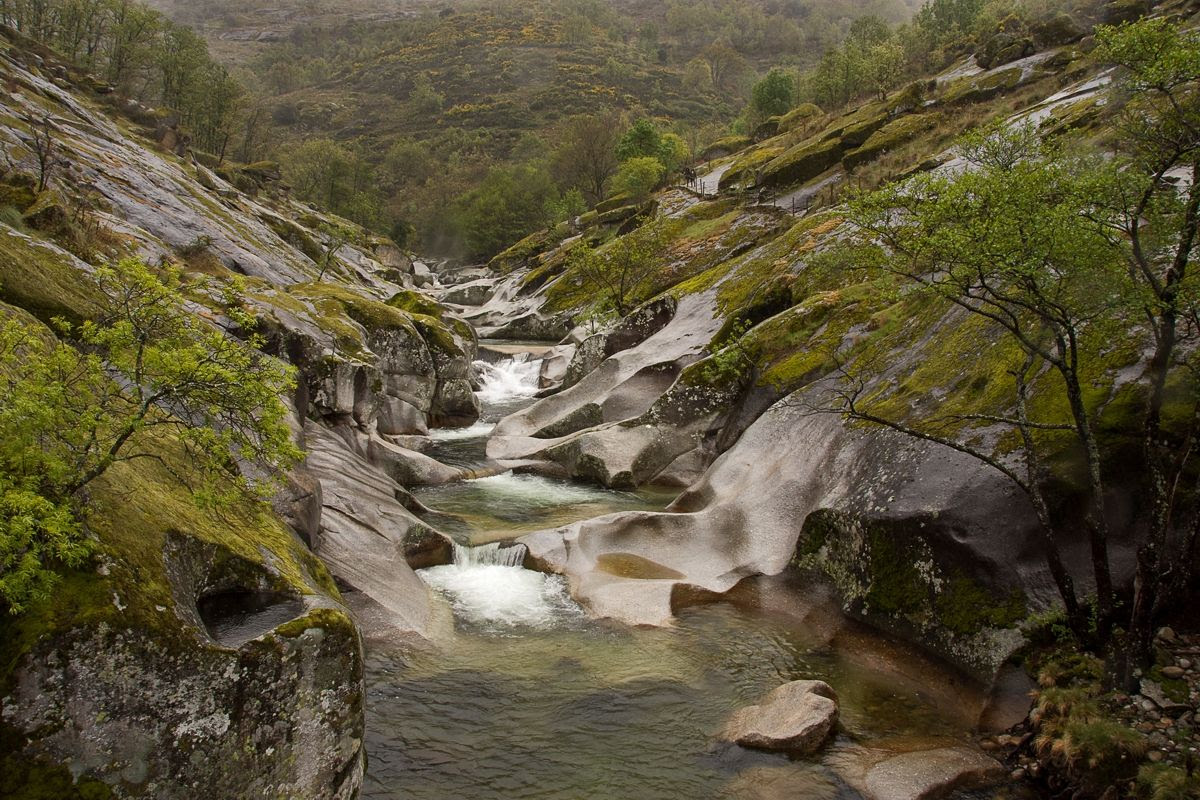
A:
[143, 372]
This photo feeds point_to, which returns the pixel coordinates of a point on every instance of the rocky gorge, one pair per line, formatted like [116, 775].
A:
[526, 544]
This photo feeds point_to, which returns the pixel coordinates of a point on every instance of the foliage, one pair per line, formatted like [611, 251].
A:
[334, 177]
[144, 366]
[639, 176]
[143, 54]
[775, 94]
[621, 272]
[508, 205]
[585, 157]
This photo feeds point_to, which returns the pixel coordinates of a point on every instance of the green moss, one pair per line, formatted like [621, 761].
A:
[975, 89]
[802, 163]
[745, 168]
[965, 607]
[371, 314]
[727, 145]
[889, 137]
[43, 280]
[416, 303]
[897, 587]
[798, 116]
[296, 236]
[329, 619]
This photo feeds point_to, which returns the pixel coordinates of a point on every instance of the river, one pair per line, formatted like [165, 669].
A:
[525, 696]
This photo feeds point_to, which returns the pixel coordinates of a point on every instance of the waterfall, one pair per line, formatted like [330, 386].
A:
[494, 554]
[509, 378]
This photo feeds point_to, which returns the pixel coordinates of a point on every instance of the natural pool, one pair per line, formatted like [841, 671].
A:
[526, 697]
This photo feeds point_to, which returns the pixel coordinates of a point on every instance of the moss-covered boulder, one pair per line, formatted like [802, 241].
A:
[745, 169]
[798, 116]
[976, 89]
[201, 649]
[726, 146]
[898, 132]
[802, 163]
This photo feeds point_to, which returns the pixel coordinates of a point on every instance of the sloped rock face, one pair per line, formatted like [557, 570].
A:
[629, 417]
[917, 539]
[796, 717]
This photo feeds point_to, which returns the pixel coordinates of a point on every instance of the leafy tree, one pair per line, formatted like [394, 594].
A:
[424, 97]
[1004, 241]
[775, 94]
[509, 204]
[144, 367]
[1062, 256]
[673, 152]
[639, 176]
[642, 139]
[586, 155]
[622, 272]
[1155, 224]
[883, 67]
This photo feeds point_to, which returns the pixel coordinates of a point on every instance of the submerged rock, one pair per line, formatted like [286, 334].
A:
[797, 718]
[921, 774]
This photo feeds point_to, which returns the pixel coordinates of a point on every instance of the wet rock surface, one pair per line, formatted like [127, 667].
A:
[795, 718]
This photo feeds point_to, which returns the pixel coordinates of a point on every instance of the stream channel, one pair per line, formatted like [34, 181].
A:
[525, 697]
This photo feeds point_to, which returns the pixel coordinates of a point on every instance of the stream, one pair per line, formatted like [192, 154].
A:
[527, 697]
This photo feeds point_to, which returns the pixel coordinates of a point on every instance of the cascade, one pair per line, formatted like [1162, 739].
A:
[494, 554]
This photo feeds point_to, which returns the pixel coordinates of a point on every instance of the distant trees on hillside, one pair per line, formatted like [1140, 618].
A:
[141, 53]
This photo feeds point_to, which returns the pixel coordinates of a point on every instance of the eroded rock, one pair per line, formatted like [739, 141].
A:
[796, 718]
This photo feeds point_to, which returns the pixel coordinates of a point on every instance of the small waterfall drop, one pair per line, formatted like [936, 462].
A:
[488, 587]
[494, 554]
[509, 378]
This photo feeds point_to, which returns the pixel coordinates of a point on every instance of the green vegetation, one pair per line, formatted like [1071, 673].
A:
[141, 368]
[1023, 241]
[144, 55]
[621, 272]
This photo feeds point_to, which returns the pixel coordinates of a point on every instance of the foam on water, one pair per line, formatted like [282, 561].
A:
[488, 586]
[477, 431]
[508, 379]
[536, 490]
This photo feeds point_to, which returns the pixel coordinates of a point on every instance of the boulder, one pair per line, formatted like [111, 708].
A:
[923, 774]
[474, 293]
[408, 467]
[796, 718]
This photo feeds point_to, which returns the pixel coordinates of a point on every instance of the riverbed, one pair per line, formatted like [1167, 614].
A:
[525, 696]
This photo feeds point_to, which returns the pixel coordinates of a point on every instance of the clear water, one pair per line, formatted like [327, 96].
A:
[529, 699]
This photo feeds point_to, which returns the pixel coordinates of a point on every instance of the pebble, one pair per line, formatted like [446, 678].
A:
[1155, 755]
[1017, 774]
[1174, 673]
[1166, 634]
[1148, 705]
[1185, 663]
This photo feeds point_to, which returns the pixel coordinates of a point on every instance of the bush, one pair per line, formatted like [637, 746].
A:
[637, 177]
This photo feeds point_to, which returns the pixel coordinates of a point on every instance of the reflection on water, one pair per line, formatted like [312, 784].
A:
[529, 699]
[507, 505]
[590, 710]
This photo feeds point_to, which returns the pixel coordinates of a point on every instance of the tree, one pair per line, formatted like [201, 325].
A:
[509, 204]
[775, 94]
[725, 64]
[883, 67]
[623, 271]
[586, 155]
[1006, 241]
[639, 176]
[1155, 224]
[43, 144]
[141, 369]
[642, 139]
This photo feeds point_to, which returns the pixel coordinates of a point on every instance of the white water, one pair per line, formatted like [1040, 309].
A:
[535, 490]
[508, 379]
[476, 431]
[488, 586]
